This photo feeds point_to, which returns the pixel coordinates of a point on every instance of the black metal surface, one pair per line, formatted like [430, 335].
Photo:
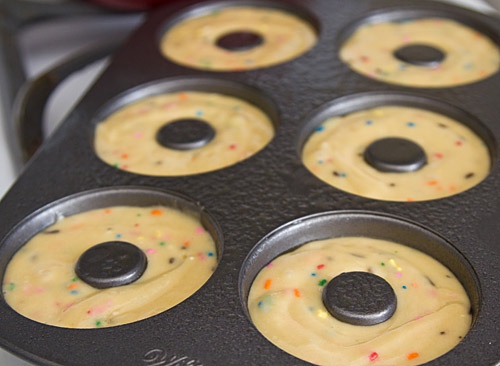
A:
[250, 199]
[395, 154]
[420, 55]
[239, 41]
[185, 134]
[359, 298]
[111, 264]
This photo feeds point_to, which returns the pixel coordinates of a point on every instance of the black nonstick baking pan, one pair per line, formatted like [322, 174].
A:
[270, 200]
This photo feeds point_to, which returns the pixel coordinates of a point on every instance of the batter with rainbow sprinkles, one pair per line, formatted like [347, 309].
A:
[128, 138]
[40, 281]
[456, 159]
[466, 55]
[433, 311]
[277, 36]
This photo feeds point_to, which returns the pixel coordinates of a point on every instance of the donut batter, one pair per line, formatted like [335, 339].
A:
[40, 281]
[432, 315]
[127, 138]
[457, 159]
[469, 55]
[193, 42]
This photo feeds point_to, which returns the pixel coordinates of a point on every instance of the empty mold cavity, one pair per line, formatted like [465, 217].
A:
[301, 290]
[108, 246]
[421, 47]
[396, 147]
[183, 126]
[238, 35]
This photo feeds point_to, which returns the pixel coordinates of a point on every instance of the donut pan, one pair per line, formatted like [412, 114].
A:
[264, 205]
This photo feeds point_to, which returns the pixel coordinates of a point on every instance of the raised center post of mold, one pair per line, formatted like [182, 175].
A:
[111, 264]
[420, 55]
[395, 155]
[185, 134]
[359, 298]
[239, 41]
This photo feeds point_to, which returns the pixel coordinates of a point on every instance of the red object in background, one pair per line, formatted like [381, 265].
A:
[130, 5]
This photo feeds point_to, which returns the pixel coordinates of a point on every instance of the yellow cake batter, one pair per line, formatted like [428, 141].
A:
[432, 314]
[127, 138]
[469, 55]
[40, 281]
[193, 42]
[457, 159]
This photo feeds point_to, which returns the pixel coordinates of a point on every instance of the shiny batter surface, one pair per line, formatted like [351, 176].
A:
[40, 281]
[469, 55]
[432, 315]
[457, 159]
[127, 138]
[193, 42]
